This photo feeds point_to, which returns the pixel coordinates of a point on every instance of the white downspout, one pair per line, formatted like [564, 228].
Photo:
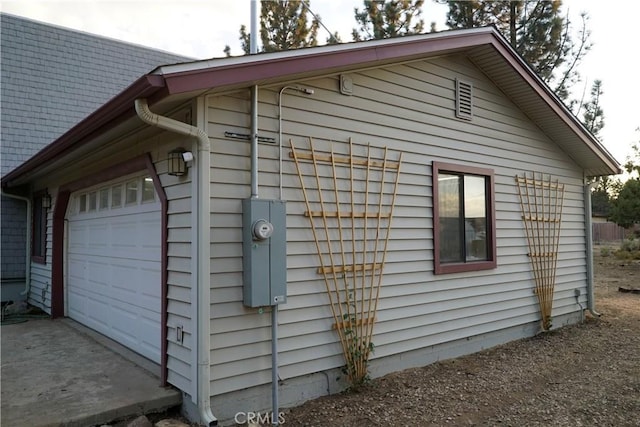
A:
[591, 304]
[27, 259]
[202, 247]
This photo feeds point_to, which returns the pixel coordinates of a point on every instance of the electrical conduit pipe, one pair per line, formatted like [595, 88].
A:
[202, 183]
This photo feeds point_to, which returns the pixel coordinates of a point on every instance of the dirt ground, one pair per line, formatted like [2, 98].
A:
[583, 375]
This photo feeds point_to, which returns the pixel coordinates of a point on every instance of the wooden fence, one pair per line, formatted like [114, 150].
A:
[604, 232]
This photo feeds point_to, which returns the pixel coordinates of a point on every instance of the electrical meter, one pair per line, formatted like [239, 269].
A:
[264, 252]
[262, 229]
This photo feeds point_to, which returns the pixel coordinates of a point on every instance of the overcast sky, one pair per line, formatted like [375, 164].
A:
[202, 28]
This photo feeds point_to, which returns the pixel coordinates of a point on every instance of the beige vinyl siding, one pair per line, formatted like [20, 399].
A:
[408, 108]
[181, 365]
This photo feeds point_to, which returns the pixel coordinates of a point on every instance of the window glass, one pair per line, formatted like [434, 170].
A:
[104, 199]
[116, 196]
[464, 236]
[148, 191]
[131, 192]
[475, 218]
[39, 231]
[82, 203]
[93, 201]
[450, 217]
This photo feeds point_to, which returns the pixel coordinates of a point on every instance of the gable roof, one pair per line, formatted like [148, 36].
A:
[485, 47]
[53, 77]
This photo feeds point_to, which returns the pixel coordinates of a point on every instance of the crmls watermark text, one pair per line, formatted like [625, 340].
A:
[258, 418]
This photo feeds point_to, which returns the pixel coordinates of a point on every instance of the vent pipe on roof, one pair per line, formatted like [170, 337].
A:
[253, 49]
[253, 30]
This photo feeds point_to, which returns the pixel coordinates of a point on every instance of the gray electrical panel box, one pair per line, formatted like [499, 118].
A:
[264, 250]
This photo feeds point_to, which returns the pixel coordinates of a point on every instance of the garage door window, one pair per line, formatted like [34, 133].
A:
[104, 199]
[93, 201]
[130, 193]
[148, 191]
[116, 196]
[82, 203]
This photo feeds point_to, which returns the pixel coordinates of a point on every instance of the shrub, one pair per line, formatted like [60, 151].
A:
[629, 249]
[605, 251]
[630, 245]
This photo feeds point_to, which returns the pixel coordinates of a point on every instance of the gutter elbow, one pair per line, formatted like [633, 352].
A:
[166, 123]
[207, 417]
[144, 113]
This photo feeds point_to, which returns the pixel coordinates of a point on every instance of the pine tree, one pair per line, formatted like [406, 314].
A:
[625, 209]
[283, 26]
[593, 116]
[477, 13]
[381, 19]
[625, 206]
[536, 29]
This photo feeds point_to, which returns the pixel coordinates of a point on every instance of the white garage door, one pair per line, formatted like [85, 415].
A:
[113, 270]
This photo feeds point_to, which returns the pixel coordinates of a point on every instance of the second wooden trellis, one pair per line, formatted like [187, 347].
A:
[349, 201]
[541, 203]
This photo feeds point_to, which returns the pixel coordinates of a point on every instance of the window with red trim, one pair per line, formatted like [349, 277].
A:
[39, 230]
[464, 218]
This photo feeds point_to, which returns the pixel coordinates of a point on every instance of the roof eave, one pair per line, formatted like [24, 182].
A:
[560, 109]
[115, 111]
[183, 78]
[250, 70]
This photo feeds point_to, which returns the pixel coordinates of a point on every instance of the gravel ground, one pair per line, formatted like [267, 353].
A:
[582, 375]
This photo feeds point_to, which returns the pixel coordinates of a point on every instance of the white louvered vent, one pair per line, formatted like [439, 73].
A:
[464, 100]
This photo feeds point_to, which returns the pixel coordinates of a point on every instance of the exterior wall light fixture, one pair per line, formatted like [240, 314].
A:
[46, 201]
[178, 159]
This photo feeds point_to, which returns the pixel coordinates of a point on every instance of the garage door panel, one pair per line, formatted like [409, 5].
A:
[141, 241]
[77, 303]
[97, 311]
[114, 278]
[142, 337]
[97, 274]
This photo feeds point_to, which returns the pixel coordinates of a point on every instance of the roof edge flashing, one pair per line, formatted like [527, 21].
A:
[315, 51]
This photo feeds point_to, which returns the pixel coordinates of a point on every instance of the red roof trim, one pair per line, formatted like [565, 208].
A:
[250, 72]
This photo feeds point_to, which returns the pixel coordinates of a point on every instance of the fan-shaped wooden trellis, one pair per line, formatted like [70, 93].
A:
[541, 203]
[350, 201]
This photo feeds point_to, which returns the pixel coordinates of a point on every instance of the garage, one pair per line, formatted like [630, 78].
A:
[114, 262]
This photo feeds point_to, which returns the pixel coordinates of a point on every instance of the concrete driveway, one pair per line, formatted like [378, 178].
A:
[55, 372]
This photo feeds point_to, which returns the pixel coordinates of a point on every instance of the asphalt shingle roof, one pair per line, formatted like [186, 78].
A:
[53, 77]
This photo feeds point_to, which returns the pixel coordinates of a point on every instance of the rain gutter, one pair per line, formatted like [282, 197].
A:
[201, 243]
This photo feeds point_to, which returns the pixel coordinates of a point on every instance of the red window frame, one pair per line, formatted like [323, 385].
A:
[39, 229]
[462, 266]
